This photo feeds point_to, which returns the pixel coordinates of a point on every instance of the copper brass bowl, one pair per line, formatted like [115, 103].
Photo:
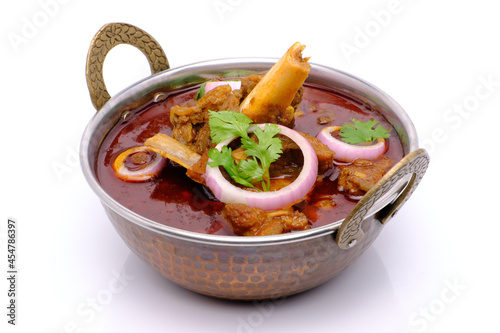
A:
[231, 267]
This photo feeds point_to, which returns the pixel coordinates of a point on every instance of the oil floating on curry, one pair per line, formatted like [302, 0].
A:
[255, 155]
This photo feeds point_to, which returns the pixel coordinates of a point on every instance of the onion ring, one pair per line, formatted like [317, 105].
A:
[346, 152]
[213, 84]
[144, 171]
[226, 192]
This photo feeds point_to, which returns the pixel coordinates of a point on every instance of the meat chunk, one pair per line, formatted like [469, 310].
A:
[325, 155]
[249, 221]
[248, 83]
[198, 169]
[291, 159]
[360, 176]
[190, 122]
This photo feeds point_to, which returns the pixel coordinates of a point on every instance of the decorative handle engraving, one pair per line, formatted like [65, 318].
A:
[109, 36]
[415, 163]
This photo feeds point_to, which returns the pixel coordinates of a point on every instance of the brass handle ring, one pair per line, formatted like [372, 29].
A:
[109, 36]
[415, 163]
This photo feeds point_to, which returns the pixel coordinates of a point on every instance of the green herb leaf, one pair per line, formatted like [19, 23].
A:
[201, 92]
[252, 168]
[227, 124]
[267, 149]
[225, 159]
[360, 132]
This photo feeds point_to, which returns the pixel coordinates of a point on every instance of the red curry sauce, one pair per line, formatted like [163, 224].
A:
[175, 200]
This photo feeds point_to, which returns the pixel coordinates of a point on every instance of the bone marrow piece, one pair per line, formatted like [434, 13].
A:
[271, 99]
[172, 149]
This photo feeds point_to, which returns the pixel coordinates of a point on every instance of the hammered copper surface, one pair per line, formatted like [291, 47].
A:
[249, 273]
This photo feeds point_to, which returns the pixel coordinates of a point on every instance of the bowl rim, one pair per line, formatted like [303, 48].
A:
[209, 68]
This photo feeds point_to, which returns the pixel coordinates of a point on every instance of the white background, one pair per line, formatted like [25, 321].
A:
[434, 268]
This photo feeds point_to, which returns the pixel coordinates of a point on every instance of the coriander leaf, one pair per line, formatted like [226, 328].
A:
[227, 124]
[380, 132]
[201, 92]
[267, 149]
[360, 132]
[252, 168]
[225, 159]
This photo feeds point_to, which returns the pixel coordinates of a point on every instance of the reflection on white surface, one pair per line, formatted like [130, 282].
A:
[346, 301]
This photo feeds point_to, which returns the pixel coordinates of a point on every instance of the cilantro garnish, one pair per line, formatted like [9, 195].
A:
[360, 132]
[225, 159]
[267, 149]
[227, 124]
[201, 92]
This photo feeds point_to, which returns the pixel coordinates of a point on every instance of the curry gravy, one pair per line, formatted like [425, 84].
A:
[175, 200]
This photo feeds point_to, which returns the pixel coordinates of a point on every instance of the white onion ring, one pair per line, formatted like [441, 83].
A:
[143, 174]
[214, 84]
[272, 200]
[346, 152]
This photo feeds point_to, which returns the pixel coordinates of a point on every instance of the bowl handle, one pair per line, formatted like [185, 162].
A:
[109, 36]
[415, 163]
